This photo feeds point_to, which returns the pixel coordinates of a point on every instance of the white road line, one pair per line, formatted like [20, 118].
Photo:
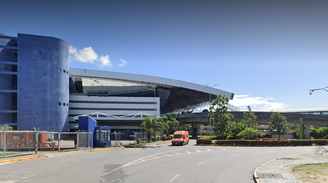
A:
[223, 149]
[201, 162]
[174, 178]
[208, 149]
[235, 155]
[188, 152]
[197, 150]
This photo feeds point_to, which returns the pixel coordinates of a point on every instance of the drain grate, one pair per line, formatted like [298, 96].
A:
[288, 158]
[269, 175]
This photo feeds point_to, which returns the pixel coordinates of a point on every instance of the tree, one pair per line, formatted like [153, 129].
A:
[235, 129]
[150, 124]
[220, 117]
[251, 133]
[169, 123]
[248, 121]
[278, 124]
[249, 118]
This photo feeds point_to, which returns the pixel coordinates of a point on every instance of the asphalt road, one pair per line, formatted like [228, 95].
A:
[176, 164]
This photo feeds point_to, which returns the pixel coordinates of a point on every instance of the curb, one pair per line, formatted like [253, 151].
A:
[255, 177]
[109, 149]
[163, 143]
[22, 159]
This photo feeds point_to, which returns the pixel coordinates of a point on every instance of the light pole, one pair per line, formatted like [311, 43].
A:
[210, 99]
[325, 89]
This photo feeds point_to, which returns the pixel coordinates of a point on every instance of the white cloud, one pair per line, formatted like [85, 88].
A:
[124, 62]
[257, 103]
[105, 61]
[88, 55]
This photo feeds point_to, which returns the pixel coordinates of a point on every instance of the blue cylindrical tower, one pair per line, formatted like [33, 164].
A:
[43, 81]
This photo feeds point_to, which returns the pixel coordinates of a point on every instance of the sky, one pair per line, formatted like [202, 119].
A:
[268, 53]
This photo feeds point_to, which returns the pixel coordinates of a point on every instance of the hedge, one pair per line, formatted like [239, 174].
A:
[273, 142]
[204, 141]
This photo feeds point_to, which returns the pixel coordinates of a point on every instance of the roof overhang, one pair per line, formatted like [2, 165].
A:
[148, 79]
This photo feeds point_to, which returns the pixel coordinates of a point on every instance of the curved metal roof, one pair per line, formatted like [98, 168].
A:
[148, 79]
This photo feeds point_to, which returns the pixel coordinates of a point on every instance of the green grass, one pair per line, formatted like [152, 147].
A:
[7, 154]
[312, 172]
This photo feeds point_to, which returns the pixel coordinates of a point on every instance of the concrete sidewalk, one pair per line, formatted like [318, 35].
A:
[279, 170]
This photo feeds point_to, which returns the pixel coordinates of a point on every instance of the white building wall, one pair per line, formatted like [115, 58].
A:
[113, 108]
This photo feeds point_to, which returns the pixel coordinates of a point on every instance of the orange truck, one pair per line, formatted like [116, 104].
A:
[180, 138]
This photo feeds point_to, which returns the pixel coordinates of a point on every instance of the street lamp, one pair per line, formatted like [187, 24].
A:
[210, 99]
[325, 89]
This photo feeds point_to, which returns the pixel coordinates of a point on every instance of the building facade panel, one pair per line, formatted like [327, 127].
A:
[43, 81]
[111, 108]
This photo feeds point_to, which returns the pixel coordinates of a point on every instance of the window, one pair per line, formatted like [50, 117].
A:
[104, 135]
[97, 135]
[177, 136]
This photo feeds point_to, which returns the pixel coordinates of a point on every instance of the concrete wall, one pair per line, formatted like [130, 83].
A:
[43, 81]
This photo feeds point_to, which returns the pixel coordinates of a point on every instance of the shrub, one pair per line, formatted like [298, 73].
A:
[204, 140]
[164, 138]
[270, 142]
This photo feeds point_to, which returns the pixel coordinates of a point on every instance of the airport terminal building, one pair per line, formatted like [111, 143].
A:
[39, 90]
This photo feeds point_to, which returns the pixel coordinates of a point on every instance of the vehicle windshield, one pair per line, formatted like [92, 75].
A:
[177, 136]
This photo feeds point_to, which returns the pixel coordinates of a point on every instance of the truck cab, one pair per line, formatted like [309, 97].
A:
[180, 138]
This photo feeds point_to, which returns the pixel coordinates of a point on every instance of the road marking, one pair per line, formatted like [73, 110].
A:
[174, 178]
[208, 149]
[197, 150]
[235, 155]
[201, 162]
[223, 149]
[188, 152]
[143, 159]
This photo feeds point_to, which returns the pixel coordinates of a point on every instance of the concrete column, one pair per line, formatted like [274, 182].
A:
[301, 128]
[307, 132]
[194, 131]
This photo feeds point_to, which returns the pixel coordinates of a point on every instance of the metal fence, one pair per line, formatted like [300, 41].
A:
[44, 141]
[116, 139]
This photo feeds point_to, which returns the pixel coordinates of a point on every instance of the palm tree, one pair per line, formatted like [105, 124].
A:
[150, 124]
